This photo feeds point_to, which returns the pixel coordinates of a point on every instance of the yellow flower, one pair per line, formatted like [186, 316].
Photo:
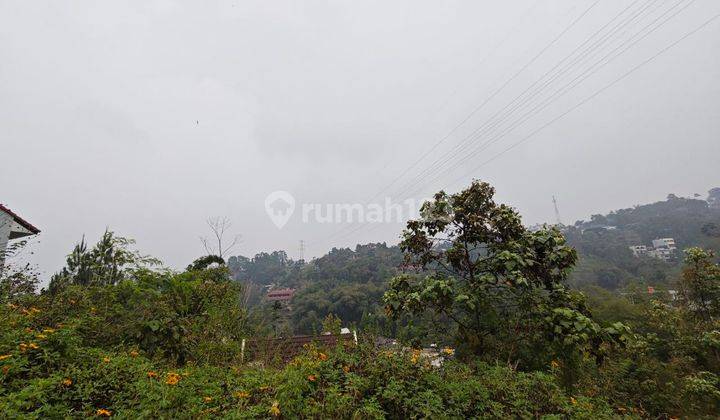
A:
[152, 374]
[573, 401]
[207, 399]
[103, 412]
[134, 353]
[41, 336]
[33, 346]
[106, 359]
[554, 364]
[322, 356]
[242, 394]
[48, 330]
[448, 351]
[67, 381]
[5, 356]
[172, 378]
[346, 369]
[275, 409]
[415, 356]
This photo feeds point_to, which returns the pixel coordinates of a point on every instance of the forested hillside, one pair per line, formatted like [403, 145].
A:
[349, 283]
[603, 242]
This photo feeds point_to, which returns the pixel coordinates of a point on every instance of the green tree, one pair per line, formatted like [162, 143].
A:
[501, 285]
[700, 283]
[110, 261]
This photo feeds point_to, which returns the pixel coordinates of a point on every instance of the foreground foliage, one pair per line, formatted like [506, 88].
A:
[118, 335]
[53, 373]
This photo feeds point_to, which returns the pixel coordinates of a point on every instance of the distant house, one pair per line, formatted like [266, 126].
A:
[662, 249]
[12, 227]
[280, 295]
[639, 250]
[668, 243]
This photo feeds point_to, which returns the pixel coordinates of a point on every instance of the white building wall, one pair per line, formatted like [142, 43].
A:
[6, 222]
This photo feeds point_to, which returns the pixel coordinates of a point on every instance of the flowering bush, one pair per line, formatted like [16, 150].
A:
[62, 376]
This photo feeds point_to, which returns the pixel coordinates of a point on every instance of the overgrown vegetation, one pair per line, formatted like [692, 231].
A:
[116, 334]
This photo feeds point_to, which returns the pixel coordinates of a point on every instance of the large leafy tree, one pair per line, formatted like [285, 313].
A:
[500, 287]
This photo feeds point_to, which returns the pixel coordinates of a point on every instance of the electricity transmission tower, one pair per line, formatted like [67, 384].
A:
[557, 212]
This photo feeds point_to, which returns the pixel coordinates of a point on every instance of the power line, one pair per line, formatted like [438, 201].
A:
[489, 124]
[586, 100]
[598, 92]
[489, 98]
[479, 107]
[569, 86]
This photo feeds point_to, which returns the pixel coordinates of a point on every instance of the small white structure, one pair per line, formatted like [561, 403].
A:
[639, 250]
[662, 249]
[12, 227]
[664, 243]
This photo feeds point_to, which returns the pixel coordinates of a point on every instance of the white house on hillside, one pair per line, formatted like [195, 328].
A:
[12, 226]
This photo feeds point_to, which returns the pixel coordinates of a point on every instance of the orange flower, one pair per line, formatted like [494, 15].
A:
[33, 346]
[106, 359]
[152, 374]
[311, 378]
[346, 369]
[207, 399]
[103, 412]
[6, 368]
[134, 353]
[172, 378]
[67, 381]
[415, 356]
[322, 356]
[554, 364]
[5, 356]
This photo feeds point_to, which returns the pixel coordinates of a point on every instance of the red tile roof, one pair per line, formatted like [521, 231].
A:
[19, 220]
[280, 294]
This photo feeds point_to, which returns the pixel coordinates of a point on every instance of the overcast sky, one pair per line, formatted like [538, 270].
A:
[147, 117]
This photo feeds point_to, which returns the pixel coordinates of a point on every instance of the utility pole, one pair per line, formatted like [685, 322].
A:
[557, 212]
